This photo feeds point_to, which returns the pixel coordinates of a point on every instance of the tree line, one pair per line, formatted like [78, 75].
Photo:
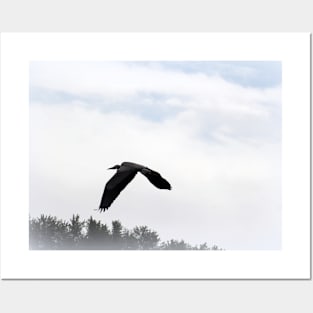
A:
[50, 233]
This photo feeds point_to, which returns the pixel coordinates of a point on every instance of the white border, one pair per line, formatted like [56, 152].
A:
[292, 261]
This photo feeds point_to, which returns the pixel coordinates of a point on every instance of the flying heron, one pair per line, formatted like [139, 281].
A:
[123, 176]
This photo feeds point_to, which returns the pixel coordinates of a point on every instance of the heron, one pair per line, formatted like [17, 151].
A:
[123, 176]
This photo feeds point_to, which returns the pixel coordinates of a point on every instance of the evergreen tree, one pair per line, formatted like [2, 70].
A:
[75, 231]
[117, 239]
[98, 235]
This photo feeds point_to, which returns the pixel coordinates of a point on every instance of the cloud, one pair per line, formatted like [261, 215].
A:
[117, 82]
[159, 93]
[218, 145]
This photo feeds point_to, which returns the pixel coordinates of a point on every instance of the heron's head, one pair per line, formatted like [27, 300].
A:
[115, 167]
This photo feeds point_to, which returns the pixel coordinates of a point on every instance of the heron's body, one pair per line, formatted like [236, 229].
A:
[123, 176]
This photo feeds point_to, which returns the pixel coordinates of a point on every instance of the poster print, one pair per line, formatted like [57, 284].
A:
[204, 138]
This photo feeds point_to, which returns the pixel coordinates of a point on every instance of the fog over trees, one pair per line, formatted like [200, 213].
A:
[50, 233]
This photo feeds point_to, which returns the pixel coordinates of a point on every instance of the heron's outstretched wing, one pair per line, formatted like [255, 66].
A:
[115, 185]
[156, 179]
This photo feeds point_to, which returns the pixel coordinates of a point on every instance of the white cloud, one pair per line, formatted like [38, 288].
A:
[118, 81]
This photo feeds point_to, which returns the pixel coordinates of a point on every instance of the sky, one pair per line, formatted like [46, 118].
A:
[212, 129]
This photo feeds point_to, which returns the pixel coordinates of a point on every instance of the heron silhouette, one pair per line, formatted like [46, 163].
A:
[123, 176]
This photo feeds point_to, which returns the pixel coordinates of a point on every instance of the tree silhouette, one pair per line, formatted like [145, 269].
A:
[76, 230]
[98, 235]
[129, 240]
[49, 233]
[147, 239]
[117, 238]
[176, 245]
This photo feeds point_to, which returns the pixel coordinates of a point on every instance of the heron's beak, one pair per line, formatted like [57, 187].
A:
[111, 168]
